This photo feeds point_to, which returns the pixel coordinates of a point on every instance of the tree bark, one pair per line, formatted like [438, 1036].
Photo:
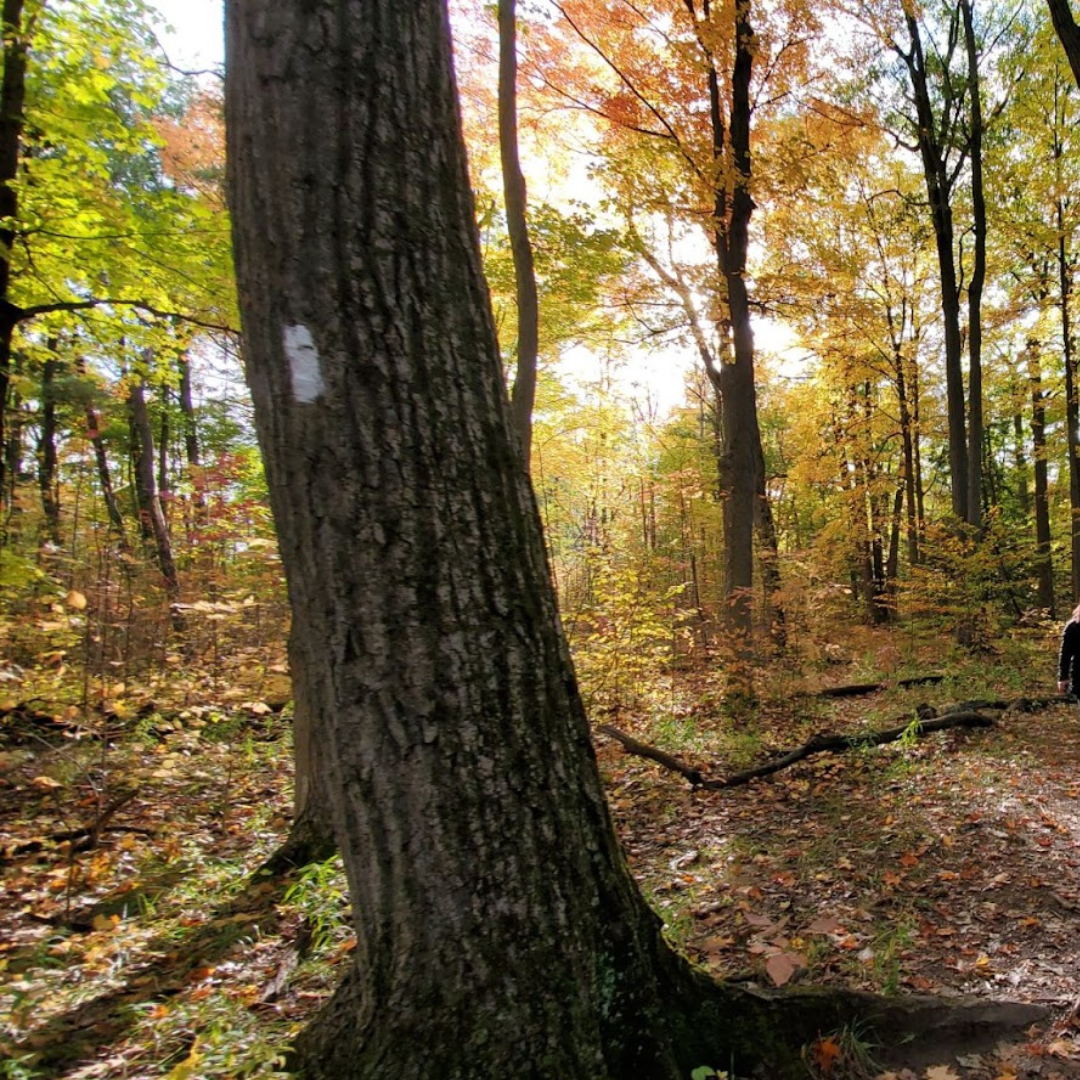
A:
[741, 462]
[12, 119]
[1044, 564]
[152, 521]
[48, 480]
[467, 804]
[101, 457]
[499, 932]
[523, 395]
[1072, 392]
[978, 273]
[1068, 33]
[933, 135]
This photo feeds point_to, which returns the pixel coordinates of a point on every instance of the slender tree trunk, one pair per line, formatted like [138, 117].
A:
[523, 396]
[163, 493]
[939, 184]
[1044, 564]
[978, 274]
[741, 479]
[152, 521]
[192, 451]
[1023, 494]
[101, 458]
[1072, 398]
[47, 474]
[12, 119]
[916, 418]
[12, 454]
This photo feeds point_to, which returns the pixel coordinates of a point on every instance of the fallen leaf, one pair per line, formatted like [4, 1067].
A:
[825, 1052]
[940, 1072]
[781, 966]
[45, 783]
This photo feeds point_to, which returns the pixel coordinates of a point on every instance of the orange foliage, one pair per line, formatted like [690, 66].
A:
[193, 148]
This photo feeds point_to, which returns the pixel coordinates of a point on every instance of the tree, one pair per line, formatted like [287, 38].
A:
[528, 304]
[499, 930]
[1068, 32]
[679, 83]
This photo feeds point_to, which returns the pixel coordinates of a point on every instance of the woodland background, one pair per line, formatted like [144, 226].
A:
[917, 462]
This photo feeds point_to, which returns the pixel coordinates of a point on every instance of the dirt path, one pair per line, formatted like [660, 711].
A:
[949, 868]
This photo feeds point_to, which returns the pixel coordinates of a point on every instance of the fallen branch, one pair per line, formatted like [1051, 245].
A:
[857, 689]
[640, 749]
[84, 839]
[816, 744]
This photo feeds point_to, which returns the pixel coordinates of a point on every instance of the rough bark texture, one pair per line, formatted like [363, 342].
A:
[12, 117]
[499, 930]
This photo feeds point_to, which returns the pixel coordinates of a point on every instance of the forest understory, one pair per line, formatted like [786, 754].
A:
[135, 943]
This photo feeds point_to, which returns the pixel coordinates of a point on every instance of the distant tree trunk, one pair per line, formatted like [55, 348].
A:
[164, 436]
[1072, 395]
[1044, 563]
[741, 459]
[47, 474]
[916, 424]
[939, 185]
[1023, 494]
[101, 457]
[892, 563]
[978, 273]
[907, 439]
[523, 396]
[187, 410]
[152, 521]
[12, 118]
[769, 557]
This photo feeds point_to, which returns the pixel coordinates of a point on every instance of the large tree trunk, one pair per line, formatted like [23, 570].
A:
[523, 396]
[12, 118]
[499, 930]
[467, 804]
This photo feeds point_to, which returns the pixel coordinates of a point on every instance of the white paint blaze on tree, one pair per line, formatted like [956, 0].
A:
[499, 932]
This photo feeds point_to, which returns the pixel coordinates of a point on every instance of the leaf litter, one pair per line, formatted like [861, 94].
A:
[948, 867]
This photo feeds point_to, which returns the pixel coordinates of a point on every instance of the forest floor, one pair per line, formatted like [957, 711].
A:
[134, 942]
